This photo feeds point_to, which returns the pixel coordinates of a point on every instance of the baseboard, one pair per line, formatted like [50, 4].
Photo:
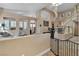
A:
[43, 52]
[53, 52]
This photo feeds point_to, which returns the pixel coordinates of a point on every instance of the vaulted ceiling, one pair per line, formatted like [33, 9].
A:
[30, 9]
[24, 8]
[65, 6]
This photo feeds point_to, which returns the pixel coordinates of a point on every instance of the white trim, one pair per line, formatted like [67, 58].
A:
[43, 52]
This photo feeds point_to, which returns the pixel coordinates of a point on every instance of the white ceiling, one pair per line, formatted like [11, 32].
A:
[65, 6]
[30, 9]
[24, 8]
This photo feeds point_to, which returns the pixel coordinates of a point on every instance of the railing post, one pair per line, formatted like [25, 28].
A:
[74, 49]
[58, 47]
[77, 49]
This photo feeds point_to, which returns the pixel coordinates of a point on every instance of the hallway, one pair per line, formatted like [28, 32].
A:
[25, 29]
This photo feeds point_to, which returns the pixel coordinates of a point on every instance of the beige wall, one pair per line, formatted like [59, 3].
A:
[48, 15]
[17, 18]
[45, 14]
[28, 46]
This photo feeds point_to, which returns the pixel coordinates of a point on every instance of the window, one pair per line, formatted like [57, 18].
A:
[7, 24]
[32, 24]
[25, 25]
[13, 24]
[21, 24]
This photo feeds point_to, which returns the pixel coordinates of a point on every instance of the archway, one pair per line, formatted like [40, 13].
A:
[45, 18]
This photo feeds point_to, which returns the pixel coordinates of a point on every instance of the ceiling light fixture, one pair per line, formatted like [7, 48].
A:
[19, 12]
[56, 4]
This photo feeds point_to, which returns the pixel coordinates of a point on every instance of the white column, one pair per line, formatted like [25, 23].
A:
[28, 30]
[50, 21]
[39, 27]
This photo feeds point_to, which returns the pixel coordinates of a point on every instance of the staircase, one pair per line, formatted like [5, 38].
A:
[68, 25]
[65, 47]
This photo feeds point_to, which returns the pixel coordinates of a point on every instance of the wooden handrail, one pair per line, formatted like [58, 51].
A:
[64, 47]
